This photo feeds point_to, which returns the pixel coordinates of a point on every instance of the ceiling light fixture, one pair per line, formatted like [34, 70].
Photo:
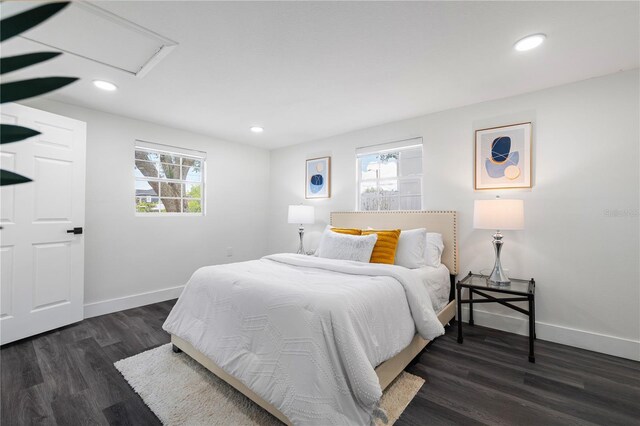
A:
[529, 42]
[256, 129]
[105, 85]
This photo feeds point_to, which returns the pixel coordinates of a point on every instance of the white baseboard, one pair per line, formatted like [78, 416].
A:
[128, 302]
[611, 345]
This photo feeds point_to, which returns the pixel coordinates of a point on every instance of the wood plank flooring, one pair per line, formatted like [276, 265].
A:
[67, 377]
[488, 380]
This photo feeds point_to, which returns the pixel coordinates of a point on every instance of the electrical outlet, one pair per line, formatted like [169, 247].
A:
[229, 251]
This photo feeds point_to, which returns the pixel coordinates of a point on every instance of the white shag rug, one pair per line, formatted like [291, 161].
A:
[182, 392]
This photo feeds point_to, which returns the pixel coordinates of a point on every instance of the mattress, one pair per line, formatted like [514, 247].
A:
[438, 283]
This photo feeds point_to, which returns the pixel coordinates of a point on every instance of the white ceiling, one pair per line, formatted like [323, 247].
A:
[309, 70]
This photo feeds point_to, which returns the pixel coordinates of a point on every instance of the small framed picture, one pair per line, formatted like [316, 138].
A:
[318, 178]
[503, 157]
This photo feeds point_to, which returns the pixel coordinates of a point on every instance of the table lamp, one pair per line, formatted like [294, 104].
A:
[301, 215]
[503, 215]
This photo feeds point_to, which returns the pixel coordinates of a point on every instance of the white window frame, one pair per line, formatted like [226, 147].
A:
[381, 149]
[140, 145]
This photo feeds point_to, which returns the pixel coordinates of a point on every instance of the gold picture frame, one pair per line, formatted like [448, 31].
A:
[503, 157]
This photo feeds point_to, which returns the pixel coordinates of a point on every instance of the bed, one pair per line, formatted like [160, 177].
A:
[265, 324]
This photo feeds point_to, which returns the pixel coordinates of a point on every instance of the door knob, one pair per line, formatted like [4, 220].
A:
[75, 231]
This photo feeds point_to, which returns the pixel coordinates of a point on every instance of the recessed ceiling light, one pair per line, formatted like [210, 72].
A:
[529, 42]
[256, 129]
[105, 85]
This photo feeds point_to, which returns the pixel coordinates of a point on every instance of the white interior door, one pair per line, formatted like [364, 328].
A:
[42, 265]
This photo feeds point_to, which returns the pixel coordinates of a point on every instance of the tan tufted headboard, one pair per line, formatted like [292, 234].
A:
[443, 222]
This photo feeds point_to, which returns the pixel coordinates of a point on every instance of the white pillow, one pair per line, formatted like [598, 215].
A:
[433, 250]
[316, 253]
[346, 247]
[410, 251]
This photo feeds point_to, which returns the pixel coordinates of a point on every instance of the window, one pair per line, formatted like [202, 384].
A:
[390, 176]
[169, 180]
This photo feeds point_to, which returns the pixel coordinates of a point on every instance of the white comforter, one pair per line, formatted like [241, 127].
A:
[305, 333]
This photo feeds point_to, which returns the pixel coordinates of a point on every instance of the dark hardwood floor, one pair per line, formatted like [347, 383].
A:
[67, 377]
[488, 380]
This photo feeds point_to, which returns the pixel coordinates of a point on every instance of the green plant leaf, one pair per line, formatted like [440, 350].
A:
[10, 178]
[10, 133]
[23, 89]
[16, 24]
[13, 63]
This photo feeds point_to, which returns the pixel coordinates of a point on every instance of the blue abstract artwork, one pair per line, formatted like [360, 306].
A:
[317, 184]
[500, 148]
[503, 157]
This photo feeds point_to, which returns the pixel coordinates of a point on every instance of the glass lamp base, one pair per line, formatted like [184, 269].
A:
[498, 277]
[301, 247]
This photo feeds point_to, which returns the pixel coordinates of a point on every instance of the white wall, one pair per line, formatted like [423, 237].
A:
[584, 257]
[131, 261]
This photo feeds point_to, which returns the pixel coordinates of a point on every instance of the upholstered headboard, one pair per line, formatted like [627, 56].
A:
[443, 222]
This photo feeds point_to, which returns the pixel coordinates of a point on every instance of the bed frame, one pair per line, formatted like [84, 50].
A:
[443, 222]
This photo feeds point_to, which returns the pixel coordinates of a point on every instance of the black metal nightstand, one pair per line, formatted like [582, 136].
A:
[521, 290]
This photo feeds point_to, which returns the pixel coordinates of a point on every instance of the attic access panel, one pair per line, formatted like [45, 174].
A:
[90, 32]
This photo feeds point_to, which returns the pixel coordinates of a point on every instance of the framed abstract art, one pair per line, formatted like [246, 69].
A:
[503, 157]
[318, 178]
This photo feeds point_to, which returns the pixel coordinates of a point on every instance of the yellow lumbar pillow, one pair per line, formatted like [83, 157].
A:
[349, 231]
[385, 249]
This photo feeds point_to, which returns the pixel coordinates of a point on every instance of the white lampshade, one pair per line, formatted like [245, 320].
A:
[498, 214]
[301, 214]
